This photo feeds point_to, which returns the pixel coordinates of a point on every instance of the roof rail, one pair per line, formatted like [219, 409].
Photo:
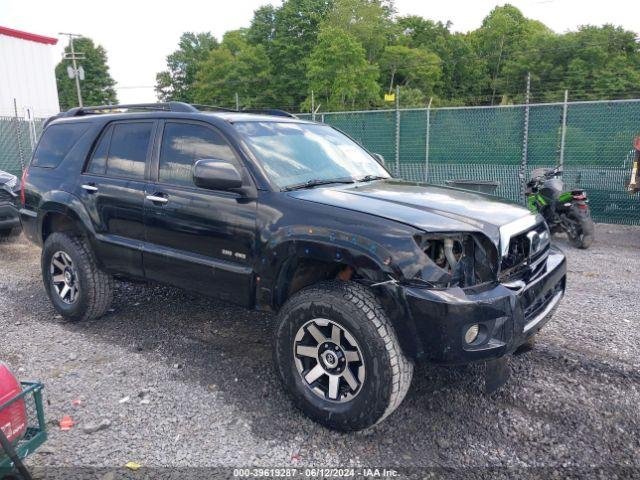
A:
[269, 111]
[167, 106]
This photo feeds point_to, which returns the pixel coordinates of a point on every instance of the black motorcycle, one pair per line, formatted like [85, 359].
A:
[564, 210]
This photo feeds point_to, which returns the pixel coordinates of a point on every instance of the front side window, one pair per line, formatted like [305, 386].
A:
[56, 142]
[185, 143]
[122, 150]
[294, 153]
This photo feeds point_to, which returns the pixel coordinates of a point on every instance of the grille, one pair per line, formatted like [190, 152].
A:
[526, 254]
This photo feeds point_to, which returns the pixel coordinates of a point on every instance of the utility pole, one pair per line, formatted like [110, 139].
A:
[74, 58]
[237, 102]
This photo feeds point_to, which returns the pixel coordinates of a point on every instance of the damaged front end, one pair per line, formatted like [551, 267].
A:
[472, 298]
[455, 260]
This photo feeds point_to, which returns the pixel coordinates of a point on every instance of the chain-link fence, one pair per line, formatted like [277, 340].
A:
[592, 140]
[505, 143]
[18, 137]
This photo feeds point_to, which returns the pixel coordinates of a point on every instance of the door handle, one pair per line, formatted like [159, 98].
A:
[157, 199]
[89, 187]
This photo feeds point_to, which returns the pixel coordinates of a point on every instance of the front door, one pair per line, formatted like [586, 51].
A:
[112, 191]
[198, 239]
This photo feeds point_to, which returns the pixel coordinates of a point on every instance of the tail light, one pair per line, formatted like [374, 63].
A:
[25, 174]
[636, 143]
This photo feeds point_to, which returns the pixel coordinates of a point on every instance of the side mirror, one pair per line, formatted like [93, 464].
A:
[379, 158]
[216, 174]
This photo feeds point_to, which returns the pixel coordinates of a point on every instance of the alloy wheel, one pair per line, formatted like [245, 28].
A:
[64, 277]
[329, 360]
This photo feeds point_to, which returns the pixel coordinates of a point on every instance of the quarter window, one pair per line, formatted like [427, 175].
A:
[185, 143]
[56, 143]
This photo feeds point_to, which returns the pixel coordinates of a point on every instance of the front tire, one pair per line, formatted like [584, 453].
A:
[338, 356]
[76, 286]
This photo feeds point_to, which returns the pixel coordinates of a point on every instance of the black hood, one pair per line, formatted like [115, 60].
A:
[427, 207]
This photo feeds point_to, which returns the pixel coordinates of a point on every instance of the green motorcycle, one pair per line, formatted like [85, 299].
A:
[564, 211]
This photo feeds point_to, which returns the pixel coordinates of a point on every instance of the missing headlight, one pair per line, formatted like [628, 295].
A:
[457, 259]
[445, 252]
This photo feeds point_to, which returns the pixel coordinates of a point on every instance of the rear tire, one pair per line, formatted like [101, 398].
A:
[378, 369]
[76, 286]
[582, 237]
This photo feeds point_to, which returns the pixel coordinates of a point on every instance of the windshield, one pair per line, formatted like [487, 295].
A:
[298, 153]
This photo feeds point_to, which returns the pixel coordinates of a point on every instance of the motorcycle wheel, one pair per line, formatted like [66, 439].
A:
[581, 235]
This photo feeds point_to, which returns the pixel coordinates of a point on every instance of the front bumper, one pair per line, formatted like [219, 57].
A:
[507, 316]
[9, 216]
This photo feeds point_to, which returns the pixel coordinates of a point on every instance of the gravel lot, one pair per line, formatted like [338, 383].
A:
[187, 381]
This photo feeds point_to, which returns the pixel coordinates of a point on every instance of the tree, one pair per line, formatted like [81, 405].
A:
[270, 62]
[369, 21]
[504, 33]
[339, 74]
[262, 29]
[235, 67]
[97, 86]
[296, 27]
[176, 83]
[413, 67]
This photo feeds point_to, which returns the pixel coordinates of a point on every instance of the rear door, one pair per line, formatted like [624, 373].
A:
[112, 190]
[198, 239]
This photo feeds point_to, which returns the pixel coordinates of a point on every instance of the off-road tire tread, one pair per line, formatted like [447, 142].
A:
[363, 299]
[99, 285]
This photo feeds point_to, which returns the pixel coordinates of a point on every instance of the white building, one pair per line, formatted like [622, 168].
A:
[27, 74]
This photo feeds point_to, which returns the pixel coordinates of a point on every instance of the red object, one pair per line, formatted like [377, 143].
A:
[636, 143]
[13, 419]
[66, 423]
[23, 180]
[579, 196]
[33, 37]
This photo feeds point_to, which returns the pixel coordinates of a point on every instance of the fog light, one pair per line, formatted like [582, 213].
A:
[472, 333]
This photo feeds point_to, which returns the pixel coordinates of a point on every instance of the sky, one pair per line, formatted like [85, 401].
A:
[138, 35]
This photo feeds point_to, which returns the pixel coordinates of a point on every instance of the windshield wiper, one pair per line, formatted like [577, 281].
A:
[316, 182]
[370, 178]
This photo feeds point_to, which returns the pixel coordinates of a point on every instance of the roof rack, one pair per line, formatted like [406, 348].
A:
[166, 107]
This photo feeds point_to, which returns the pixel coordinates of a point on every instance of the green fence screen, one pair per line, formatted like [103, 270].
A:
[489, 143]
[476, 143]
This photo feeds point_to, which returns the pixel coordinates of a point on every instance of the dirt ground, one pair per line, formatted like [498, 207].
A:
[185, 381]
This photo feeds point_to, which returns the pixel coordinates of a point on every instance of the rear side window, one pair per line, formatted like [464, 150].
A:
[185, 143]
[56, 143]
[122, 150]
[98, 162]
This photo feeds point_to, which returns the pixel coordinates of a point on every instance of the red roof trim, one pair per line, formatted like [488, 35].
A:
[27, 36]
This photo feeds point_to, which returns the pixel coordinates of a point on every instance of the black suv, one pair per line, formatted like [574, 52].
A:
[368, 274]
